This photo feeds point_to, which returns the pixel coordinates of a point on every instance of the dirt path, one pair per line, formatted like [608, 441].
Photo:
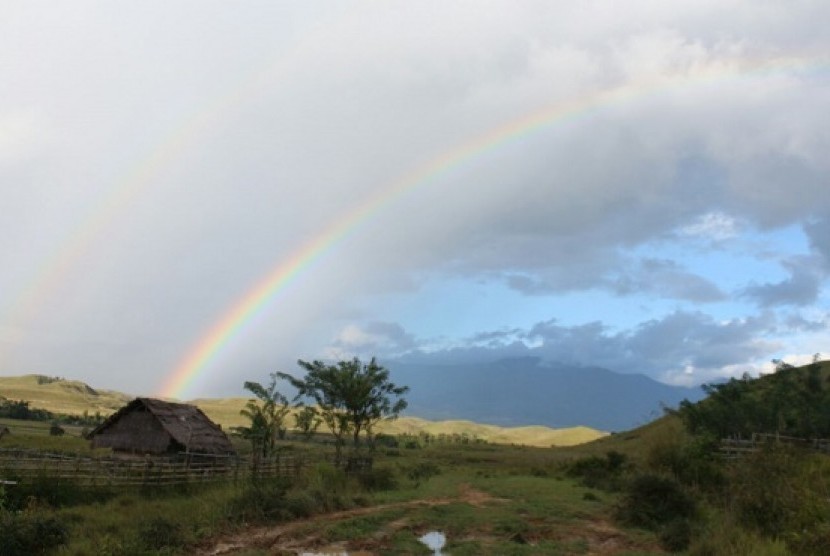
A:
[307, 535]
[282, 539]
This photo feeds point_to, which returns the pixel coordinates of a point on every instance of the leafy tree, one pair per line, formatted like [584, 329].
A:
[307, 421]
[791, 402]
[350, 396]
[267, 415]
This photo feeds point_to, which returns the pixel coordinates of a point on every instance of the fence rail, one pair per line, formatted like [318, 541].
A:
[735, 448]
[25, 465]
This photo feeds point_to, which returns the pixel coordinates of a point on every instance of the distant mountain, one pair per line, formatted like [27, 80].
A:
[526, 391]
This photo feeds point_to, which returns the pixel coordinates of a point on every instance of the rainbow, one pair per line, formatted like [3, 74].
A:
[264, 293]
[103, 213]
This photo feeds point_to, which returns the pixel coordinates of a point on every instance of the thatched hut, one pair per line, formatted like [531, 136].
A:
[150, 426]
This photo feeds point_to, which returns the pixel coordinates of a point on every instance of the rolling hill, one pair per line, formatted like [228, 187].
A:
[60, 395]
[74, 397]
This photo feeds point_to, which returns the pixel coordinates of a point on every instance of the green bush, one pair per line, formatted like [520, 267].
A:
[652, 501]
[422, 472]
[781, 492]
[330, 487]
[596, 472]
[30, 533]
[379, 478]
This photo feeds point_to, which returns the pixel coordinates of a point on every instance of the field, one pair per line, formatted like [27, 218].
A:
[486, 499]
[664, 487]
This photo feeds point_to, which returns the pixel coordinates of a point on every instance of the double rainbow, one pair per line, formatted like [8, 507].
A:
[259, 298]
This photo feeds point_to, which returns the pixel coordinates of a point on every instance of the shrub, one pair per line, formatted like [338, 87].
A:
[31, 533]
[330, 487]
[422, 472]
[780, 491]
[596, 472]
[379, 478]
[653, 500]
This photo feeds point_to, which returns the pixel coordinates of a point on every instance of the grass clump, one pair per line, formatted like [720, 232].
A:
[160, 534]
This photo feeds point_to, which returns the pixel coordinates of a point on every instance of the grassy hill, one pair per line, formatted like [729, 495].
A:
[225, 411]
[74, 397]
[59, 395]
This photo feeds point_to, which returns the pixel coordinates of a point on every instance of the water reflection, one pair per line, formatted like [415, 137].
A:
[435, 541]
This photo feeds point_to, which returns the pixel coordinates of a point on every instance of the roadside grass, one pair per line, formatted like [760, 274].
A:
[124, 524]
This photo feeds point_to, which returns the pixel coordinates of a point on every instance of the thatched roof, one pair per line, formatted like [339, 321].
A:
[186, 424]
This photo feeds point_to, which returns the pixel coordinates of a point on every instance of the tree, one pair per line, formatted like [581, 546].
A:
[307, 421]
[267, 415]
[350, 396]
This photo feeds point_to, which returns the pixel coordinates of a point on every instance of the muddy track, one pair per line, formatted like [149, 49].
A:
[307, 535]
[282, 539]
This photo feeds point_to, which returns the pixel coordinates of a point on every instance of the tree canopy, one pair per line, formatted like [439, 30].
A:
[349, 396]
[791, 402]
[267, 415]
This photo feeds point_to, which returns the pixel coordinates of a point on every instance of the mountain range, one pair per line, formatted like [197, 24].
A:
[528, 391]
[518, 392]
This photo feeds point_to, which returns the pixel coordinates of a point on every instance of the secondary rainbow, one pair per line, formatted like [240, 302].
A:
[137, 180]
[253, 303]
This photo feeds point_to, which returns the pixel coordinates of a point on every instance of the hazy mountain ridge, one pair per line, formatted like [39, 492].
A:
[526, 391]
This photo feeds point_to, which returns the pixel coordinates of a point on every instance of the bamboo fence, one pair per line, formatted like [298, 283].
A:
[736, 448]
[26, 465]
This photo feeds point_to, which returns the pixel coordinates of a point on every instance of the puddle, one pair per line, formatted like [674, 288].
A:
[435, 541]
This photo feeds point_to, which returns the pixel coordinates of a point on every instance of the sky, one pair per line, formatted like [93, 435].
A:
[196, 194]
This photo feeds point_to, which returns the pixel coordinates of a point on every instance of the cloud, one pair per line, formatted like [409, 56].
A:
[800, 289]
[371, 339]
[712, 226]
[682, 347]
[162, 161]
[818, 231]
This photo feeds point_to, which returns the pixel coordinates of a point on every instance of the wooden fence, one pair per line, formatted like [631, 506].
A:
[735, 448]
[25, 465]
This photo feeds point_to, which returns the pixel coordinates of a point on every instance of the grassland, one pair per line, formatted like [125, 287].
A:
[69, 397]
[487, 499]
[660, 488]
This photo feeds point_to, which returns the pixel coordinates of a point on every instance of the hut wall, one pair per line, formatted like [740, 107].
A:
[136, 431]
